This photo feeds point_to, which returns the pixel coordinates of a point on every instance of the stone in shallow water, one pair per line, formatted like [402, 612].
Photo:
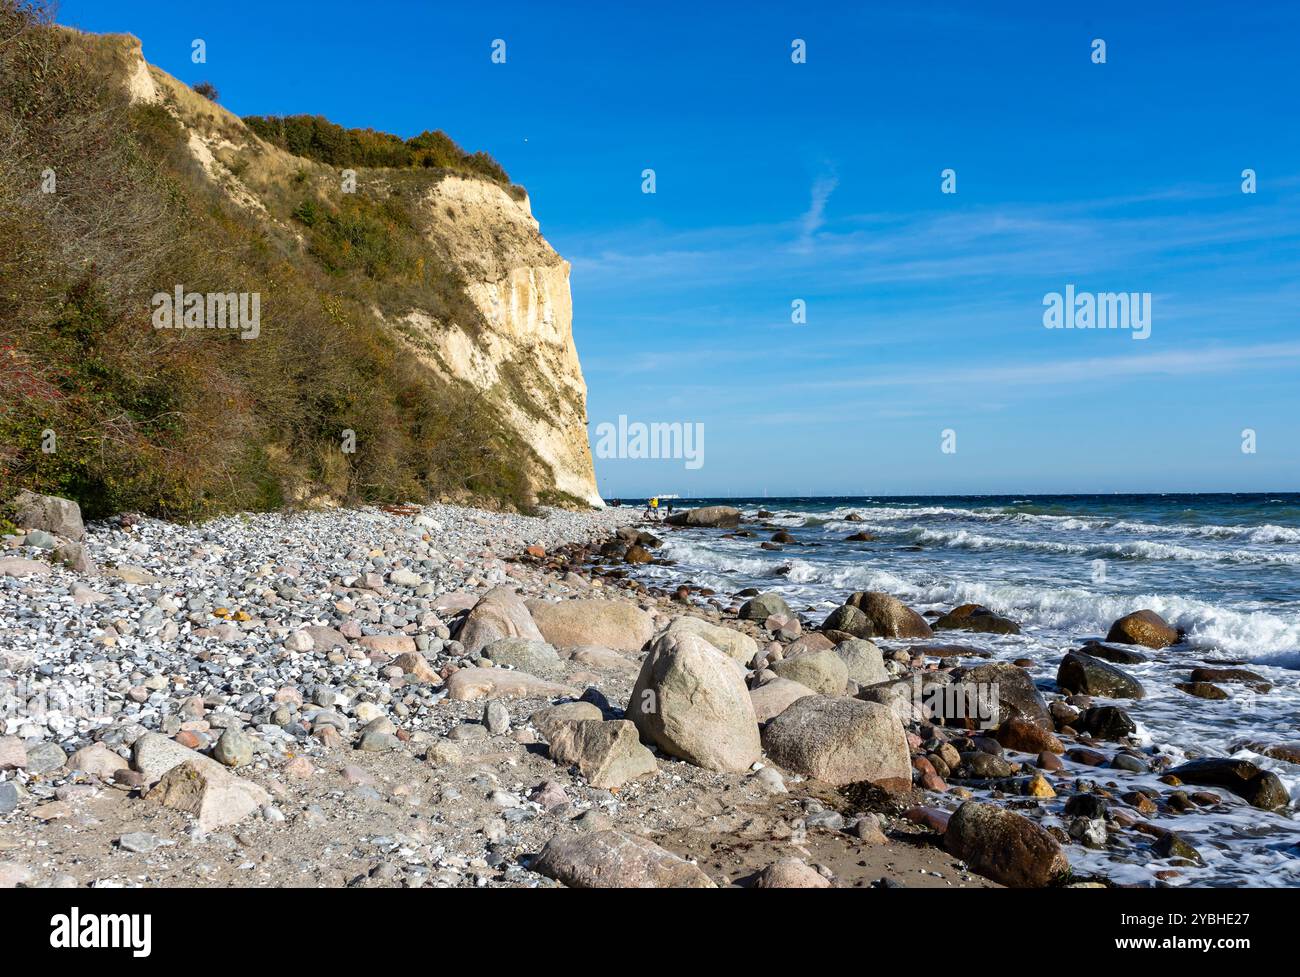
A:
[1143, 628]
[1085, 675]
[1261, 788]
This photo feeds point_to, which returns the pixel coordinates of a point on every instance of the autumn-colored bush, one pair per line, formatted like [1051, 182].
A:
[102, 206]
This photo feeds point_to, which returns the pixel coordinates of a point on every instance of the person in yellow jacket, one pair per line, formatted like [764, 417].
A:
[652, 508]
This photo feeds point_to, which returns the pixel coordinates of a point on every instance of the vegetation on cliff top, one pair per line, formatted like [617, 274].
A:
[102, 206]
[316, 138]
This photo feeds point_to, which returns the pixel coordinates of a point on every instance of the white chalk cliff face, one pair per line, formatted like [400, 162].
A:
[521, 354]
[521, 287]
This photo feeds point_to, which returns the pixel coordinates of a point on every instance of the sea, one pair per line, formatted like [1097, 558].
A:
[1225, 568]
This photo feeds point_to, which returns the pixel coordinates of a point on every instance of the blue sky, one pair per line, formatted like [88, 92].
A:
[821, 181]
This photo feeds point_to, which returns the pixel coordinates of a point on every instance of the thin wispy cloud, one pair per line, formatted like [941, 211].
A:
[815, 217]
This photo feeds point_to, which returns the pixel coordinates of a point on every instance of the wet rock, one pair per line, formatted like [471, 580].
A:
[1287, 752]
[1107, 723]
[1113, 653]
[1089, 758]
[1080, 673]
[1087, 805]
[976, 617]
[840, 741]
[1173, 845]
[978, 765]
[1005, 846]
[889, 616]
[1017, 696]
[1259, 787]
[1201, 690]
[610, 859]
[711, 516]
[1232, 675]
[1027, 737]
[1145, 628]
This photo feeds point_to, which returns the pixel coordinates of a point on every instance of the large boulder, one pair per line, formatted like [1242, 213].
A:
[1143, 628]
[849, 621]
[865, 663]
[919, 697]
[1016, 694]
[763, 606]
[1259, 787]
[608, 754]
[840, 741]
[1004, 846]
[976, 617]
[535, 657]
[62, 517]
[889, 616]
[822, 671]
[1084, 675]
[732, 643]
[500, 613]
[610, 859]
[713, 516]
[216, 797]
[612, 624]
[690, 700]
[774, 696]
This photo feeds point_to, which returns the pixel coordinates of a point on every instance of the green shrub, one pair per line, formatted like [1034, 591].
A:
[314, 137]
[186, 423]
